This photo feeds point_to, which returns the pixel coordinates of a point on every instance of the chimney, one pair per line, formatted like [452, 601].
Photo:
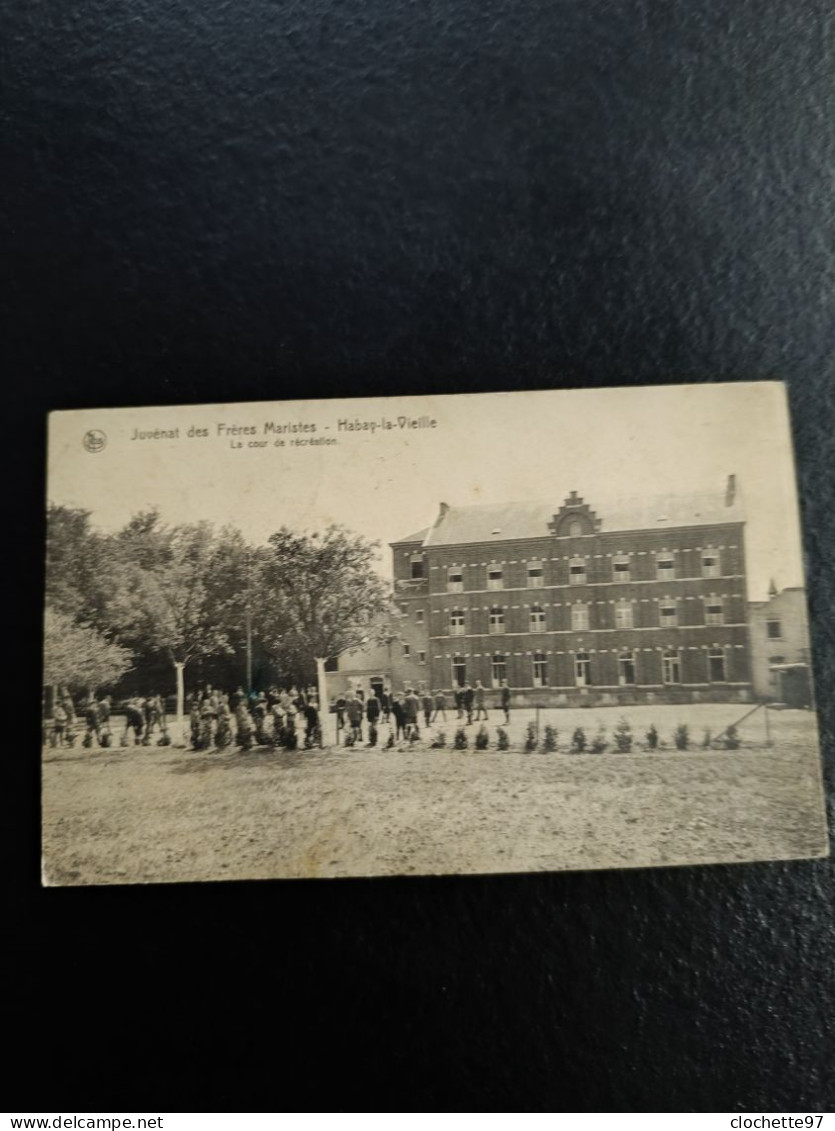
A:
[443, 510]
[772, 589]
[730, 491]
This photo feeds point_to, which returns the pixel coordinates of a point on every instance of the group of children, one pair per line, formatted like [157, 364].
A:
[406, 709]
[143, 717]
[260, 718]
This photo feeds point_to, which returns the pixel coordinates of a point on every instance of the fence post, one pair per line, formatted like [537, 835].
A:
[767, 726]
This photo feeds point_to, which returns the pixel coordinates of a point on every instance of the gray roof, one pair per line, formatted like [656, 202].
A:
[419, 537]
[530, 519]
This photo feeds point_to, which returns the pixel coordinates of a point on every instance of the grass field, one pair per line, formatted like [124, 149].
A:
[163, 814]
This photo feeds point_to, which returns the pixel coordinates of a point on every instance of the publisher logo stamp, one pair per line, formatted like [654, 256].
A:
[94, 440]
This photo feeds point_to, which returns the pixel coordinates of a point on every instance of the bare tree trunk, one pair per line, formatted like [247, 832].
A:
[327, 721]
[179, 666]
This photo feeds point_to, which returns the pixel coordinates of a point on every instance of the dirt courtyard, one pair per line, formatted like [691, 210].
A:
[163, 814]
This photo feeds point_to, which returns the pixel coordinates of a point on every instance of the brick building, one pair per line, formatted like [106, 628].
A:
[643, 600]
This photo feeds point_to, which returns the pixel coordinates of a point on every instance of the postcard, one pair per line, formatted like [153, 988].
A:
[475, 633]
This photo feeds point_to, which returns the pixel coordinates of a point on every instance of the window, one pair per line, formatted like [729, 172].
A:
[536, 575]
[577, 571]
[407, 649]
[498, 669]
[496, 619]
[421, 657]
[776, 659]
[623, 614]
[714, 613]
[418, 616]
[575, 528]
[710, 563]
[540, 670]
[537, 620]
[773, 630]
[626, 669]
[459, 671]
[665, 567]
[456, 622]
[455, 579]
[494, 577]
[579, 618]
[621, 570]
[417, 567]
[668, 616]
[582, 669]
[332, 665]
[716, 665]
[671, 666]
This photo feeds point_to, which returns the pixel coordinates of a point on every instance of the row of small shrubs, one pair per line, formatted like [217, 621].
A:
[622, 740]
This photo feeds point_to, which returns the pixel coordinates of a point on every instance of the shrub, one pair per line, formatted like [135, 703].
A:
[623, 736]
[599, 743]
[652, 738]
[550, 743]
[681, 737]
[439, 741]
[503, 739]
[461, 741]
[578, 741]
[482, 739]
[530, 738]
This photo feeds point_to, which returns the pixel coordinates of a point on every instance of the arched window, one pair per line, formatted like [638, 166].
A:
[582, 669]
[579, 617]
[716, 665]
[577, 571]
[671, 666]
[626, 669]
[496, 619]
[537, 618]
[536, 575]
[623, 614]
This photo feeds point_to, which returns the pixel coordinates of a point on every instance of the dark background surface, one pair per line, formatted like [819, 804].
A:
[214, 201]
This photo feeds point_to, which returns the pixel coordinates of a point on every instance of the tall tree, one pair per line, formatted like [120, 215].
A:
[79, 566]
[181, 586]
[323, 596]
[79, 656]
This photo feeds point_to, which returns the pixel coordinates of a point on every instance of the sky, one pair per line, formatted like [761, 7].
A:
[387, 482]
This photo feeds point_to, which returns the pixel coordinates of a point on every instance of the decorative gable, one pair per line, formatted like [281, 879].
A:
[574, 518]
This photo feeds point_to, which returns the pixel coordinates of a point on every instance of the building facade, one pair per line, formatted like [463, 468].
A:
[642, 601]
[780, 651]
